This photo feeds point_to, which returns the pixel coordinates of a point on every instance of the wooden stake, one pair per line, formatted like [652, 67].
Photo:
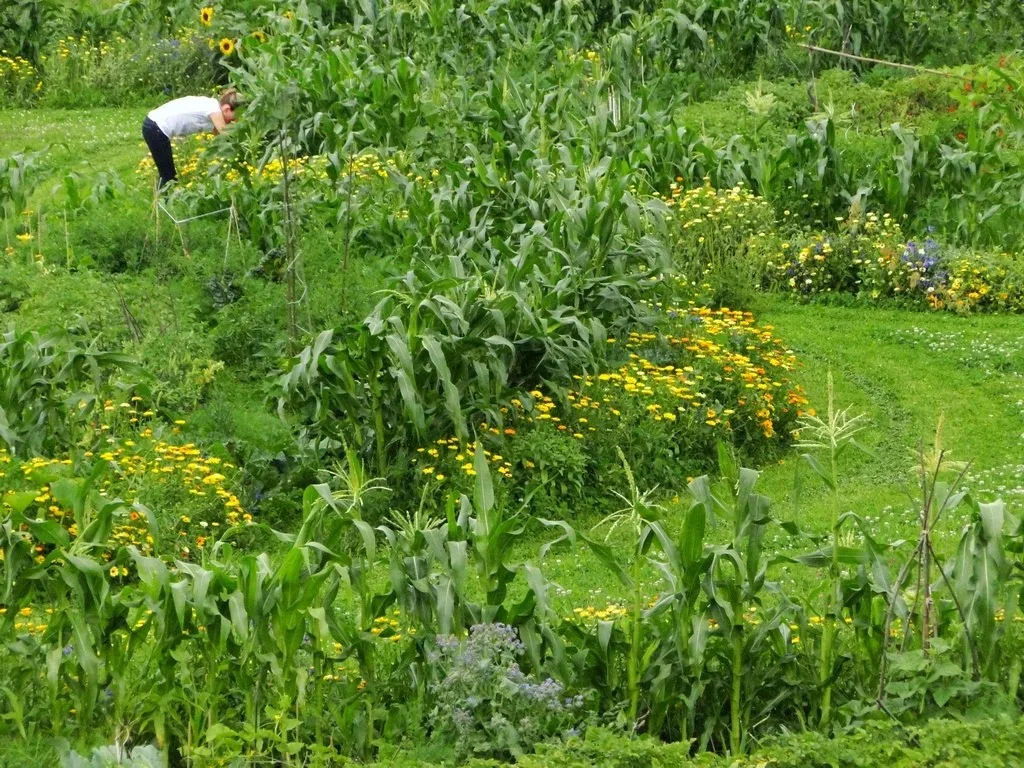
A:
[912, 68]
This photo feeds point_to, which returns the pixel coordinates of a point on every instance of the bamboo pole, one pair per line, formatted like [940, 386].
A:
[911, 67]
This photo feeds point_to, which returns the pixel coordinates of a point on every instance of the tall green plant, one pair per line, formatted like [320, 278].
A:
[832, 436]
[48, 387]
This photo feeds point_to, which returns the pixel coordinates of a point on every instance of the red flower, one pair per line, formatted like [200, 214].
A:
[968, 86]
[961, 136]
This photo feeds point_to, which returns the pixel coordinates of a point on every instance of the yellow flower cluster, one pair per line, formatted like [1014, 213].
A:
[390, 628]
[726, 373]
[592, 58]
[711, 209]
[30, 620]
[144, 466]
[17, 75]
[452, 459]
[84, 46]
[196, 166]
[713, 227]
[795, 33]
[610, 612]
[871, 256]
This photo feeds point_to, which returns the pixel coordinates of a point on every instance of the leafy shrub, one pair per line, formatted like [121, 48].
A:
[119, 70]
[19, 81]
[698, 377]
[247, 329]
[115, 242]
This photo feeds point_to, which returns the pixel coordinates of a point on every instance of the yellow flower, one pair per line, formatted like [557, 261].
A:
[113, 570]
[24, 237]
[206, 16]
[259, 36]
[227, 46]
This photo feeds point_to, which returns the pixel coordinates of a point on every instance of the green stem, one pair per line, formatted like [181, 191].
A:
[634, 647]
[683, 642]
[378, 423]
[833, 607]
[825, 670]
[735, 737]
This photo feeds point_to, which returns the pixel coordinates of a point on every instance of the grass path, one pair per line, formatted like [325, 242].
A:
[82, 140]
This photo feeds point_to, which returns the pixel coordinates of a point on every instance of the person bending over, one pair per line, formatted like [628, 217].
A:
[181, 117]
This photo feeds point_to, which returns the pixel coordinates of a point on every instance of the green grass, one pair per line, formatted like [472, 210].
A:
[85, 141]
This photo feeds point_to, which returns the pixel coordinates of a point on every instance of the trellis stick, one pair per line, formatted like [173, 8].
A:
[883, 62]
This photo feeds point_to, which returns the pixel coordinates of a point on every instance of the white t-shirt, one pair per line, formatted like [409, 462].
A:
[189, 114]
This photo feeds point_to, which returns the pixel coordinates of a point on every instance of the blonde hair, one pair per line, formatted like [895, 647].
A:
[230, 98]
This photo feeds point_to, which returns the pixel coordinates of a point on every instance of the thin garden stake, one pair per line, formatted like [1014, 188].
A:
[67, 240]
[883, 62]
[289, 243]
[348, 236]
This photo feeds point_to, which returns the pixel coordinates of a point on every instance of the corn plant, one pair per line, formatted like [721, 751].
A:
[48, 385]
[833, 436]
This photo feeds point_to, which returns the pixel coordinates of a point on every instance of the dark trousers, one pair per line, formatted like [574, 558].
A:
[160, 147]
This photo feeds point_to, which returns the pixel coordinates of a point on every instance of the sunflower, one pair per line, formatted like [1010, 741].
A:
[206, 16]
[227, 46]
[259, 36]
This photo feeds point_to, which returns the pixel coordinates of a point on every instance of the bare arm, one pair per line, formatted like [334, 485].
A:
[218, 122]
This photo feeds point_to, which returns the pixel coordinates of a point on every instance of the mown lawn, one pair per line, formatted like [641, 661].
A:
[84, 142]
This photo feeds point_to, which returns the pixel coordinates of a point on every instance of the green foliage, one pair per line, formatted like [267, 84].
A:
[48, 387]
[82, 70]
[181, 365]
[19, 175]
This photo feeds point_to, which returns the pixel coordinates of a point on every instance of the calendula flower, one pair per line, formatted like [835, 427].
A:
[206, 16]
[226, 46]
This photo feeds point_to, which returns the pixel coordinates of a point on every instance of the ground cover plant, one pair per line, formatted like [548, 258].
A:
[573, 384]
